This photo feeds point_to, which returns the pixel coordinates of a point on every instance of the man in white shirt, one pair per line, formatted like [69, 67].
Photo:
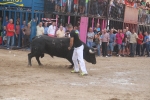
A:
[40, 29]
[128, 35]
[52, 29]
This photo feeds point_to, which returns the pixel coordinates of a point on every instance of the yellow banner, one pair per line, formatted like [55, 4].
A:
[5, 3]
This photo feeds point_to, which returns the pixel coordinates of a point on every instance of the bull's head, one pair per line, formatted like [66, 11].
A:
[89, 55]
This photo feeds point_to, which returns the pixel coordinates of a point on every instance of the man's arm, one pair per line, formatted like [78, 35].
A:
[71, 42]
[146, 41]
[43, 31]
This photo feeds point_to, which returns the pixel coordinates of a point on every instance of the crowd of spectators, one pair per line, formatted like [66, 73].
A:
[20, 35]
[144, 11]
[121, 42]
[67, 6]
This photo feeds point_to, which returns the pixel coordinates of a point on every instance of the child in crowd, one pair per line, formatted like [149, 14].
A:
[4, 36]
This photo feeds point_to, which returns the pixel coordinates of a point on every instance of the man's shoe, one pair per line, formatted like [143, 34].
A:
[83, 74]
[73, 71]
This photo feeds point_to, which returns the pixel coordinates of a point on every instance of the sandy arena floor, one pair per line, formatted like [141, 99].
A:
[110, 79]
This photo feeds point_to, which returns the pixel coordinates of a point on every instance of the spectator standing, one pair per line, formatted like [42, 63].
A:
[86, 7]
[40, 30]
[105, 42]
[22, 27]
[0, 25]
[76, 6]
[60, 33]
[27, 32]
[127, 45]
[17, 33]
[82, 6]
[4, 36]
[70, 3]
[146, 44]
[97, 42]
[111, 42]
[119, 38]
[63, 5]
[52, 29]
[139, 44]
[133, 42]
[67, 34]
[149, 41]
[57, 5]
[45, 29]
[97, 28]
[90, 37]
[10, 33]
[124, 43]
[6, 22]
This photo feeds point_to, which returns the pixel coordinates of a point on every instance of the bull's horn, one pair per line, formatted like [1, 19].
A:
[90, 51]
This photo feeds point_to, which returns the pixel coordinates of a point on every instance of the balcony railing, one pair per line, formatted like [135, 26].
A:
[144, 16]
[116, 10]
[98, 8]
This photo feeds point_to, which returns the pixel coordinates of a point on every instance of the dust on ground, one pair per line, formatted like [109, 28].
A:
[110, 79]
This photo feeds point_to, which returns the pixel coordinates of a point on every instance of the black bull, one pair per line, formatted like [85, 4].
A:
[56, 47]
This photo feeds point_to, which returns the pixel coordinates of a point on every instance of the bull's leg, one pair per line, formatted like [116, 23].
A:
[29, 59]
[38, 60]
[70, 60]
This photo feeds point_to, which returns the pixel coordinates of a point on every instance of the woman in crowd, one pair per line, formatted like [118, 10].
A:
[17, 33]
[98, 43]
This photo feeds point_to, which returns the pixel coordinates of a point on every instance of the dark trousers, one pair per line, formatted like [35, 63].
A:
[138, 49]
[104, 48]
[132, 49]
[26, 40]
[145, 46]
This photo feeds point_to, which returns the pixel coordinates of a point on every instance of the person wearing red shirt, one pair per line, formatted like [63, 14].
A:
[139, 44]
[17, 33]
[10, 33]
[76, 6]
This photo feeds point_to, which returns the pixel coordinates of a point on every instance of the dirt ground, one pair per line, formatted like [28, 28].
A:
[110, 79]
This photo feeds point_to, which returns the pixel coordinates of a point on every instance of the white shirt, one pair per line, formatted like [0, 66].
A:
[40, 31]
[51, 30]
[149, 37]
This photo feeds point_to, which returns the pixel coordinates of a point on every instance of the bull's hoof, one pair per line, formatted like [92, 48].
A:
[40, 64]
[70, 67]
[29, 65]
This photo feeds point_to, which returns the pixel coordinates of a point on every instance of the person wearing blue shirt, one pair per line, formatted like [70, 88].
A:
[6, 21]
[97, 28]
[45, 29]
[146, 44]
[111, 42]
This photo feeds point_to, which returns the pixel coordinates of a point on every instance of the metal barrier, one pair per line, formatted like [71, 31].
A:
[144, 17]
[69, 7]
[116, 10]
[98, 8]
[144, 28]
[21, 10]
